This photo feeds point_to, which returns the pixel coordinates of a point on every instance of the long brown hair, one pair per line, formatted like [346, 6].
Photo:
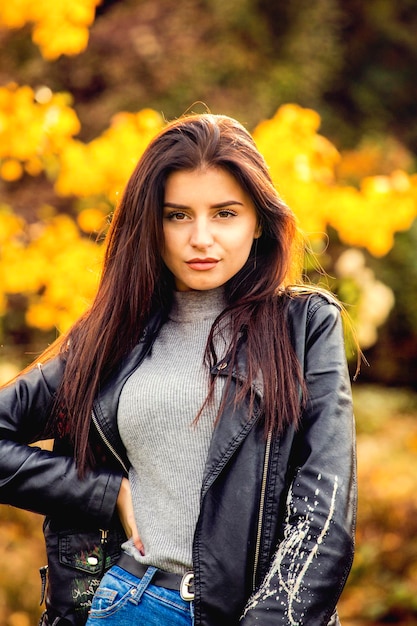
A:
[135, 283]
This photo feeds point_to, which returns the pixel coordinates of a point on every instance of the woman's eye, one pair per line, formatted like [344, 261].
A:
[225, 213]
[176, 216]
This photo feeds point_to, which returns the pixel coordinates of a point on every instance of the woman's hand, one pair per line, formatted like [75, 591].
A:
[124, 506]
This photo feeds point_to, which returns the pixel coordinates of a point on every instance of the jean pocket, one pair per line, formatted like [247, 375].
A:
[112, 594]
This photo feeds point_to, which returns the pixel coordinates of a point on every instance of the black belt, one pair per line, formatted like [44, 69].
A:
[176, 582]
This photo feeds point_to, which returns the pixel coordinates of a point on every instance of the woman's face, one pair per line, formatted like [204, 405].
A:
[209, 224]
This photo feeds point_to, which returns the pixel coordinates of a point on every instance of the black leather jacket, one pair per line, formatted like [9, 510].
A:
[274, 539]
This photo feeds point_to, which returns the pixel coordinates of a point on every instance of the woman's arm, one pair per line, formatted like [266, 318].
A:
[39, 480]
[313, 559]
[127, 515]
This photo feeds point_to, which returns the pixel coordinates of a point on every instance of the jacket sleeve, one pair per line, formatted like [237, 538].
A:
[312, 560]
[40, 480]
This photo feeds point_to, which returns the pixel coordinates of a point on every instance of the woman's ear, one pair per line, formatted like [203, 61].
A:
[258, 232]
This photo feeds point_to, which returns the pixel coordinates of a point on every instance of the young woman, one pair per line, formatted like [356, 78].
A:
[201, 410]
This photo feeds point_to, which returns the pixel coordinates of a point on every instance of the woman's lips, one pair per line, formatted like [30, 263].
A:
[202, 264]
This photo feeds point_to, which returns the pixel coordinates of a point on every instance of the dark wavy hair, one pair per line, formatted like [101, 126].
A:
[135, 283]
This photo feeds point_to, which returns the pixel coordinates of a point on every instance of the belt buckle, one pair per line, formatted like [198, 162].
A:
[187, 587]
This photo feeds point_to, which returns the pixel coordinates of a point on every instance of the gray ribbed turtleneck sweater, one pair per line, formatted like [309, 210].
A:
[167, 451]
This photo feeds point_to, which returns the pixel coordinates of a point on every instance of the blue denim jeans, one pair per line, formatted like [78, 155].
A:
[125, 600]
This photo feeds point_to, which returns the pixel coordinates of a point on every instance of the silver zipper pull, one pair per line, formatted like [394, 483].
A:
[43, 571]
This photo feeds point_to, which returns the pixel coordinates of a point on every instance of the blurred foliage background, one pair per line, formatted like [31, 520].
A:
[328, 90]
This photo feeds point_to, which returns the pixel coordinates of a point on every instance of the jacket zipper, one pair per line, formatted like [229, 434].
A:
[107, 442]
[261, 507]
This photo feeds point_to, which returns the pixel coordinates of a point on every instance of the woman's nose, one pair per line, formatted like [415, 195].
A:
[201, 234]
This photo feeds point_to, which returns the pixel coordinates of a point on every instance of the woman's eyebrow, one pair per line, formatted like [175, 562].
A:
[174, 205]
[221, 205]
[218, 205]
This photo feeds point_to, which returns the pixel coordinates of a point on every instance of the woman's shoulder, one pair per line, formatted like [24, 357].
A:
[311, 295]
[47, 373]
[307, 301]
[313, 315]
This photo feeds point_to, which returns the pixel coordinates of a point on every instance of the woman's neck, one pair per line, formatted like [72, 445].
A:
[188, 306]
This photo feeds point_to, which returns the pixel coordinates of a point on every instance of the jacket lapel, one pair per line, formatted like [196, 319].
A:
[233, 426]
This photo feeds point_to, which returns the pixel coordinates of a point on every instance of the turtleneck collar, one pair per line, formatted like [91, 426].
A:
[190, 306]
